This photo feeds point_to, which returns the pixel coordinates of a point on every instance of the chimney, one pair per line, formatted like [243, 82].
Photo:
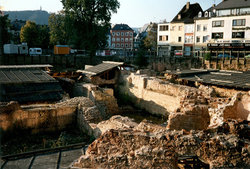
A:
[187, 5]
[213, 5]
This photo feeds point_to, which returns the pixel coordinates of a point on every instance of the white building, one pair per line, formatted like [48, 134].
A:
[163, 39]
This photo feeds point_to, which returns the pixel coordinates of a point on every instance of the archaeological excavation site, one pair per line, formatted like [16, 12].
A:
[114, 115]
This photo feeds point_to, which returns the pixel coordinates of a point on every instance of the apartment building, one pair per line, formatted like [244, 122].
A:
[230, 27]
[222, 27]
[180, 33]
[163, 39]
[122, 37]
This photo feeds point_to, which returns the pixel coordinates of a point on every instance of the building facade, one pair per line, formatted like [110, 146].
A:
[122, 37]
[225, 27]
[163, 39]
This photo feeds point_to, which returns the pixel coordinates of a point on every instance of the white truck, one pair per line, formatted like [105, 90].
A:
[35, 51]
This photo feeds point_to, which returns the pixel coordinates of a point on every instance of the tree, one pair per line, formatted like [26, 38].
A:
[150, 42]
[90, 20]
[58, 30]
[29, 34]
[4, 34]
[35, 35]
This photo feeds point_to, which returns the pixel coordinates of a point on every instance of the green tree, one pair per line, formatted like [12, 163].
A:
[150, 42]
[59, 34]
[4, 34]
[43, 36]
[29, 34]
[35, 35]
[90, 21]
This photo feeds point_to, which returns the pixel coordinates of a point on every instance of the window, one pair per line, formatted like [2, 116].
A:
[118, 34]
[198, 28]
[179, 39]
[205, 39]
[173, 28]
[126, 45]
[198, 39]
[180, 28]
[113, 33]
[218, 35]
[164, 28]
[238, 35]
[126, 34]
[131, 34]
[160, 38]
[122, 45]
[117, 45]
[122, 33]
[239, 22]
[130, 39]
[122, 39]
[166, 38]
[218, 23]
[206, 14]
[113, 45]
[117, 39]
[204, 28]
[126, 39]
[200, 14]
[113, 39]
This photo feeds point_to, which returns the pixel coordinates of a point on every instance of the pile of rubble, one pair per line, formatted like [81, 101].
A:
[151, 146]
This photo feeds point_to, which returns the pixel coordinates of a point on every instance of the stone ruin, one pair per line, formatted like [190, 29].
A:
[151, 146]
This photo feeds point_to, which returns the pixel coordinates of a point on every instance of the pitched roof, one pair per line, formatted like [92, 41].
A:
[228, 4]
[187, 14]
[122, 27]
[98, 69]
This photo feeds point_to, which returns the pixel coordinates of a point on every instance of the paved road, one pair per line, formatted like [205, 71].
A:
[60, 159]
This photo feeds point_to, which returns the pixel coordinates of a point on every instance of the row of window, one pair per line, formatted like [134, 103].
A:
[122, 33]
[219, 35]
[226, 12]
[220, 23]
[236, 22]
[118, 45]
[199, 28]
[122, 39]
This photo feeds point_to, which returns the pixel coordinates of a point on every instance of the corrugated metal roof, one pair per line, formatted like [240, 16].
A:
[98, 69]
[229, 4]
[232, 79]
[24, 66]
[28, 84]
[23, 75]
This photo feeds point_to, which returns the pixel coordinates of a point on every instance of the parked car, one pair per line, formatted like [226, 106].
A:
[225, 56]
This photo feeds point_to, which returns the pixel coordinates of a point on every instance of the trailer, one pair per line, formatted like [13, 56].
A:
[10, 49]
[35, 51]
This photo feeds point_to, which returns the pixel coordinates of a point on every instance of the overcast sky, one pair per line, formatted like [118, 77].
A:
[135, 13]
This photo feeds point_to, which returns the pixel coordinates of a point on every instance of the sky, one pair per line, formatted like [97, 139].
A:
[135, 13]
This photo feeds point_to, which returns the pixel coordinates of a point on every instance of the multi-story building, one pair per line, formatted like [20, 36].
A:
[122, 37]
[230, 27]
[203, 28]
[182, 29]
[163, 39]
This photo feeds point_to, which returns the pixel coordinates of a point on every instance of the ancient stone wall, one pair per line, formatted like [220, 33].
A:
[49, 117]
[155, 95]
[150, 146]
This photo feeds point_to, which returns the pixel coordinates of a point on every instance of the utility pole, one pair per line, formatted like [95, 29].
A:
[1, 38]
